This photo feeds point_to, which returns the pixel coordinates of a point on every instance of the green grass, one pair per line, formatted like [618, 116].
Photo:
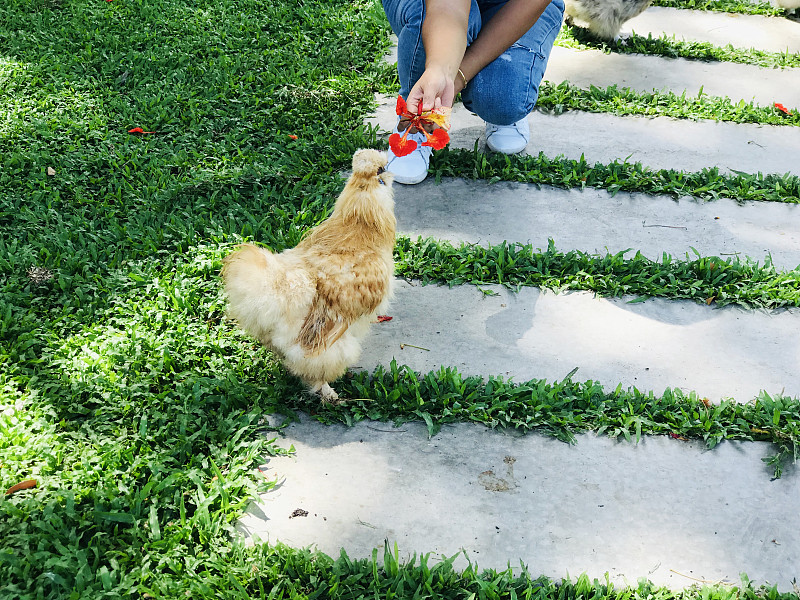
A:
[708, 184]
[124, 392]
[624, 101]
[670, 47]
[564, 408]
[729, 6]
[702, 279]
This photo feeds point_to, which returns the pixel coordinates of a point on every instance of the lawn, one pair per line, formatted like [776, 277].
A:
[139, 142]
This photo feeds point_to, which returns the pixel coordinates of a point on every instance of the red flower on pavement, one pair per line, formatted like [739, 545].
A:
[433, 123]
[782, 108]
[383, 318]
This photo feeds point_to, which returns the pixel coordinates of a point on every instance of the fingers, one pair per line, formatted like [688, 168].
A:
[433, 90]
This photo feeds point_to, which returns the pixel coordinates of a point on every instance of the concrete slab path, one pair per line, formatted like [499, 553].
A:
[662, 509]
[596, 221]
[531, 334]
[659, 143]
[771, 34]
[642, 73]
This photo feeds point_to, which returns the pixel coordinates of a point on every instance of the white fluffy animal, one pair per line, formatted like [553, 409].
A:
[788, 4]
[604, 18]
[313, 303]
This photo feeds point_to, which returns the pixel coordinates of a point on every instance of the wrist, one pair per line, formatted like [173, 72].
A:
[461, 79]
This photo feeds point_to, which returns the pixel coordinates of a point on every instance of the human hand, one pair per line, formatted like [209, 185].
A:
[434, 89]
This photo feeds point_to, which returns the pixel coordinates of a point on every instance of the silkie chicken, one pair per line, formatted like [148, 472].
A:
[603, 18]
[313, 304]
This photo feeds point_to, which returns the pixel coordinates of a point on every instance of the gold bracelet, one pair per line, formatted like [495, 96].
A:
[460, 72]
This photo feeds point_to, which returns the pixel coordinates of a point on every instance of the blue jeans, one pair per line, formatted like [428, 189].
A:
[506, 89]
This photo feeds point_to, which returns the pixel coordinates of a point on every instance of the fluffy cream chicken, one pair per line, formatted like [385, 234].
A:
[314, 303]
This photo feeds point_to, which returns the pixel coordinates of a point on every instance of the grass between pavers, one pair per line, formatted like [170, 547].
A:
[728, 6]
[556, 98]
[671, 47]
[706, 280]
[307, 574]
[564, 408]
[708, 184]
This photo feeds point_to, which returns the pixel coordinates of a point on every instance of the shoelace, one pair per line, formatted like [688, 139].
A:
[495, 128]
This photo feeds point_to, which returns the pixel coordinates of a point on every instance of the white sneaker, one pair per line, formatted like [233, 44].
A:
[508, 139]
[411, 168]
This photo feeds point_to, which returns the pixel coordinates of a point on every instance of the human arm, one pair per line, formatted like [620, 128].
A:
[444, 35]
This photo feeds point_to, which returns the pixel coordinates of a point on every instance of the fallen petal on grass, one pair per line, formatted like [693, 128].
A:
[22, 485]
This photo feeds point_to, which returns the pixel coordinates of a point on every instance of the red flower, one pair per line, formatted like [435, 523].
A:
[139, 130]
[401, 146]
[433, 123]
[436, 140]
[292, 136]
[383, 318]
[400, 107]
[782, 108]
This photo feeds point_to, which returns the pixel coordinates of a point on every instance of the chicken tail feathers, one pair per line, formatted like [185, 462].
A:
[244, 271]
[246, 256]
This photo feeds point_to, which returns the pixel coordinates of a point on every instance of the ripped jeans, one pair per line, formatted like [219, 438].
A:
[506, 89]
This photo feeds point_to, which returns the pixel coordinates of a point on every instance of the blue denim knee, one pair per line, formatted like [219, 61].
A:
[506, 89]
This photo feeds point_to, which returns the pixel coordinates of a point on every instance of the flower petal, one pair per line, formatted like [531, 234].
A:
[440, 116]
[401, 105]
[401, 146]
[782, 108]
[437, 140]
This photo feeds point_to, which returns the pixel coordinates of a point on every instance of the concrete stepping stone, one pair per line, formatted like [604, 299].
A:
[594, 221]
[719, 353]
[643, 73]
[659, 143]
[771, 34]
[662, 509]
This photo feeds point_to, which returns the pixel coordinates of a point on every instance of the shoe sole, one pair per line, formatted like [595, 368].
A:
[409, 180]
[495, 149]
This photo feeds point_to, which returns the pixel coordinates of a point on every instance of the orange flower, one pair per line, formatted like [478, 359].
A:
[401, 145]
[433, 123]
[139, 130]
[782, 108]
[292, 136]
[437, 140]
